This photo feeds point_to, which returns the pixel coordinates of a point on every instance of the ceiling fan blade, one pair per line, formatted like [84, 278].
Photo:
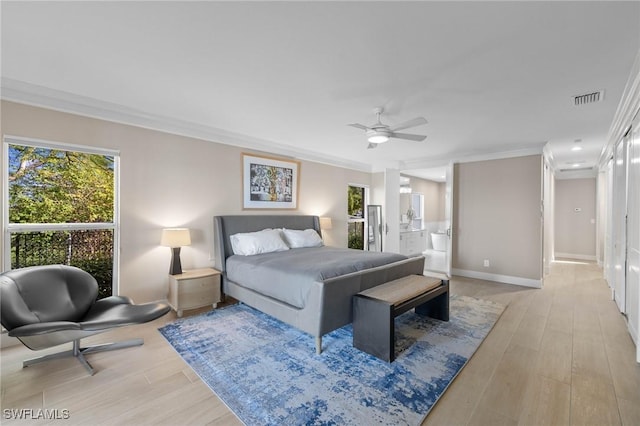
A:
[372, 145]
[417, 138]
[358, 126]
[418, 121]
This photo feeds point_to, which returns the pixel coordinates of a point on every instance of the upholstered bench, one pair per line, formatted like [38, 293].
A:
[374, 311]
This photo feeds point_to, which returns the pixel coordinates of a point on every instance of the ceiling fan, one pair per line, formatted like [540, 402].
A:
[380, 133]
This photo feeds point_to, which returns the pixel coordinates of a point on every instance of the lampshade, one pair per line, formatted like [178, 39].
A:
[325, 223]
[175, 237]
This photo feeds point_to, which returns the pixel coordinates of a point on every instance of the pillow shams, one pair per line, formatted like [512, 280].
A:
[300, 239]
[250, 243]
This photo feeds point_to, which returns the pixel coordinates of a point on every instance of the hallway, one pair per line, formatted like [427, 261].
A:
[557, 356]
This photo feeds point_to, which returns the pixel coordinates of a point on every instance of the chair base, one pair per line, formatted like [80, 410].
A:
[79, 352]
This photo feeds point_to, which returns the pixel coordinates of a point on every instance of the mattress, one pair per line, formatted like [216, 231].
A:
[288, 275]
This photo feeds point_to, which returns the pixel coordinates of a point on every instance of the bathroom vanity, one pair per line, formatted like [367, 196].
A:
[413, 241]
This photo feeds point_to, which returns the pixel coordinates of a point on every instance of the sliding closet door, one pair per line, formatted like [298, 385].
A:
[633, 235]
[609, 272]
[620, 224]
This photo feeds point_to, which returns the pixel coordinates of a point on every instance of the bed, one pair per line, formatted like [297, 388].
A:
[308, 288]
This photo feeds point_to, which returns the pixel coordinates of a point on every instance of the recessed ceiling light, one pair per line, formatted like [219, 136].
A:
[576, 165]
[576, 148]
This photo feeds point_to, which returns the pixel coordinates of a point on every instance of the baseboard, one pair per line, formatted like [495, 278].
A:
[507, 279]
[588, 257]
[435, 274]
[633, 332]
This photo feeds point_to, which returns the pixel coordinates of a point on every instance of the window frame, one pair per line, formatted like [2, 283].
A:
[8, 228]
[363, 220]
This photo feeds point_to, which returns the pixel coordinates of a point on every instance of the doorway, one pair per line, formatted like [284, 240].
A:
[426, 196]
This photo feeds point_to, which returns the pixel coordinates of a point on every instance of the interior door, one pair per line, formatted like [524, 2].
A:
[448, 212]
[374, 228]
[391, 211]
[620, 224]
[608, 238]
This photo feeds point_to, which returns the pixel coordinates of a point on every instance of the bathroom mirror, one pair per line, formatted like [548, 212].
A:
[374, 224]
[411, 211]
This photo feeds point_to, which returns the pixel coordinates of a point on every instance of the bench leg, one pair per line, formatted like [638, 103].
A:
[437, 308]
[318, 345]
[373, 328]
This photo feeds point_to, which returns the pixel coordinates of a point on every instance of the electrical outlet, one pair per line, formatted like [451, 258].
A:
[486, 263]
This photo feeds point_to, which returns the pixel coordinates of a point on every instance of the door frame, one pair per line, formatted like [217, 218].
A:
[448, 214]
[620, 185]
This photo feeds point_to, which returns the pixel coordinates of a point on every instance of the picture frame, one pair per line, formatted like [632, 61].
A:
[269, 182]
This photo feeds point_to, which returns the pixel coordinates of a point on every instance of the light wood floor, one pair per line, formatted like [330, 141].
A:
[557, 356]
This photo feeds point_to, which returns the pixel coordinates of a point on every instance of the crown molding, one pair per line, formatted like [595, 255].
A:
[44, 97]
[536, 149]
[626, 111]
[549, 157]
[580, 174]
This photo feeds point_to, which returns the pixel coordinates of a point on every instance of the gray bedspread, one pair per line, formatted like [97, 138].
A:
[288, 275]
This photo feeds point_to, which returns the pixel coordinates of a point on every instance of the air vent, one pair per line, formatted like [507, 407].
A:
[588, 98]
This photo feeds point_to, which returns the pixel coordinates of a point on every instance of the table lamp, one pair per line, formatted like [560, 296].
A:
[175, 238]
[325, 223]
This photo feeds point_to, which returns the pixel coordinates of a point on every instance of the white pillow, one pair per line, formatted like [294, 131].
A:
[250, 243]
[299, 239]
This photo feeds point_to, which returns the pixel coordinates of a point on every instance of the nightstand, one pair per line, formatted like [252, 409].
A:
[194, 288]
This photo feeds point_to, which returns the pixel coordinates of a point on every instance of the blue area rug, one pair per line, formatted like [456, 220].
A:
[268, 373]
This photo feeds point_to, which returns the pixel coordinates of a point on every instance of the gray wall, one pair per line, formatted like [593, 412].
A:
[169, 180]
[575, 231]
[497, 217]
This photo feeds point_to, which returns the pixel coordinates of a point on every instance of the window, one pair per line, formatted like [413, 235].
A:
[356, 202]
[60, 207]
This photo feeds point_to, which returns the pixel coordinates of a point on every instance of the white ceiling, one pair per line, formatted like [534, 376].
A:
[492, 78]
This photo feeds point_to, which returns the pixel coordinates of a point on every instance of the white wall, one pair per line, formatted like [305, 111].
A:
[169, 180]
[575, 218]
[377, 188]
[548, 184]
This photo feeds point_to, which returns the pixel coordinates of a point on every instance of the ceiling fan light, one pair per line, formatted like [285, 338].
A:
[378, 138]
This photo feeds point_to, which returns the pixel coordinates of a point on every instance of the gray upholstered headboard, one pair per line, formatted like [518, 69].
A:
[225, 226]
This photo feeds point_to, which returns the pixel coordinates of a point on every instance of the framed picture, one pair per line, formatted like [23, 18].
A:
[269, 183]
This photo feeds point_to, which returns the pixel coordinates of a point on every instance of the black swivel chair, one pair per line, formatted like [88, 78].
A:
[45, 306]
